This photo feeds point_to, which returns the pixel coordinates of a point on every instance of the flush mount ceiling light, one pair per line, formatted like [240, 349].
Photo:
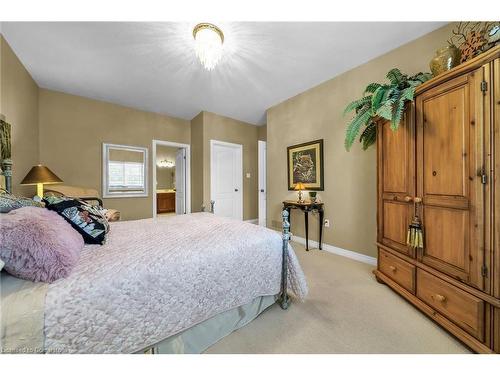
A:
[208, 44]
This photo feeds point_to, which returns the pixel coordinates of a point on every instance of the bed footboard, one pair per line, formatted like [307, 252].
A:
[284, 300]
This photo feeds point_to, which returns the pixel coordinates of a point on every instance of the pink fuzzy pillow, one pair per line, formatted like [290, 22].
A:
[38, 245]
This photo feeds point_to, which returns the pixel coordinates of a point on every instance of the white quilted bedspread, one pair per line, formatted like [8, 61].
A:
[157, 277]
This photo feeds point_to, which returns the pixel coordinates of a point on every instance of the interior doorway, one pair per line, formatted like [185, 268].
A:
[171, 178]
[226, 178]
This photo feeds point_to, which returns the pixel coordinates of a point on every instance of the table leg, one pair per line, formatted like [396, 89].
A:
[306, 217]
[321, 214]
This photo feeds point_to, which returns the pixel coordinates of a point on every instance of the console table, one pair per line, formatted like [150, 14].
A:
[306, 206]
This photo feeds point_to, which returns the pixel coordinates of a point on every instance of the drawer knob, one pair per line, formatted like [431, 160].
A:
[392, 268]
[440, 298]
[408, 198]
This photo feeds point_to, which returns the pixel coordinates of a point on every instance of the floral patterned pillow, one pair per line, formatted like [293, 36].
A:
[9, 202]
[88, 220]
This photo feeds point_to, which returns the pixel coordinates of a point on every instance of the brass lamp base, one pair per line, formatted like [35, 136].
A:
[300, 197]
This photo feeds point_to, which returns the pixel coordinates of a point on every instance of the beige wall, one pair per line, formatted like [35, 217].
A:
[226, 129]
[19, 104]
[197, 163]
[73, 128]
[350, 177]
[207, 126]
[262, 133]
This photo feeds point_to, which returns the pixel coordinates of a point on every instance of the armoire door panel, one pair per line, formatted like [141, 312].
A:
[446, 238]
[445, 148]
[396, 216]
[395, 154]
[396, 181]
[449, 153]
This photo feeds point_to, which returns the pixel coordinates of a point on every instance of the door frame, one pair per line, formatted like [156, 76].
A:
[261, 163]
[237, 146]
[187, 193]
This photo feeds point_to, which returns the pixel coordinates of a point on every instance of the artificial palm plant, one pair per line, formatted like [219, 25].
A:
[381, 101]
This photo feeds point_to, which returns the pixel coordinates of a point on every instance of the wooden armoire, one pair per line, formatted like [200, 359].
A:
[444, 162]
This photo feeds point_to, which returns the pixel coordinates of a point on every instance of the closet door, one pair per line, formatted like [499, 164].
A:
[396, 182]
[450, 163]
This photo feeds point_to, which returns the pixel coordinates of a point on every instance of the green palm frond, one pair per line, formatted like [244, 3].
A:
[408, 93]
[361, 119]
[377, 98]
[385, 110]
[384, 100]
[421, 77]
[372, 87]
[395, 76]
[368, 136]
[357, 104]
[397, 114]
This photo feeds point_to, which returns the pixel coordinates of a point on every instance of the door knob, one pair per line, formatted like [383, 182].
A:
[408, 198]
[235, 189]
[261, 190]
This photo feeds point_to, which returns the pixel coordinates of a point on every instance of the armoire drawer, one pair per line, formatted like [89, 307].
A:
[464, 309]
[397, 269]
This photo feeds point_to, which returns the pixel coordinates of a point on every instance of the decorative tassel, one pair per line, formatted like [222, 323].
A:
[415, 236]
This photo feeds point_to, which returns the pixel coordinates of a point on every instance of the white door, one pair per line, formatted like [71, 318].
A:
[180, 181]
[227, 179]
[262, 183]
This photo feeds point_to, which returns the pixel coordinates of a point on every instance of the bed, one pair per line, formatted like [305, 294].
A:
[165, 285]
[162, 285]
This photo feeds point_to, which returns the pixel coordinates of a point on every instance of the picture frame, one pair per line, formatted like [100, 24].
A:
[305, 164]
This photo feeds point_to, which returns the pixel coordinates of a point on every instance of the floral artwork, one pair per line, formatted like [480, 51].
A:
[305, 164]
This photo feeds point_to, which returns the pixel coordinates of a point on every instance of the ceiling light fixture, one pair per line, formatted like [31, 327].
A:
[208, 44]
[166, 164]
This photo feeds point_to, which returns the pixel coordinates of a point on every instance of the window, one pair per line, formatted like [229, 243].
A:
[124, 171]
[126, 176]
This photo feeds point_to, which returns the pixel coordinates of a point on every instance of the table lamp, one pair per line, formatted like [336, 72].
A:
[39, 175]
[299, 187]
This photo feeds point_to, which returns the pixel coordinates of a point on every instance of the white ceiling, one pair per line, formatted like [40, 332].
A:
[153, 67]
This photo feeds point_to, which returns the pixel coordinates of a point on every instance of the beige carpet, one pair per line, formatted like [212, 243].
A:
[346, 311]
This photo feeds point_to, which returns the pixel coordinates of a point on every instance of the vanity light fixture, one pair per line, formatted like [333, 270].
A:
[166, 164]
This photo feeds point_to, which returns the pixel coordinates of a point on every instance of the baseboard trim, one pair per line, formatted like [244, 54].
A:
[338, 251]
[252, 221]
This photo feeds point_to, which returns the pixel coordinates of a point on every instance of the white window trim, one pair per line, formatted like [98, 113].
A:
[105, 156]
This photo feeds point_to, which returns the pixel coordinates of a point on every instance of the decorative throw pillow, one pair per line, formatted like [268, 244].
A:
[38, 245]
[9, 202]
[111, 214]
[88, 220]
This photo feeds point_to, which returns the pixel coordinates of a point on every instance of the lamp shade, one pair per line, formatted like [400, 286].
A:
[300, 186]
[40, 174]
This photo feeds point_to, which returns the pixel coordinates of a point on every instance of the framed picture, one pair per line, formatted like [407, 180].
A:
[305, 164]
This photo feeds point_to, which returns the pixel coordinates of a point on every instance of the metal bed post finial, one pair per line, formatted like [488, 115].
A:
[284, 300]
[212, 204]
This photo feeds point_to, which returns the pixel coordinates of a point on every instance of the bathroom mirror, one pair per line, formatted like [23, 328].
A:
[125, 171]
